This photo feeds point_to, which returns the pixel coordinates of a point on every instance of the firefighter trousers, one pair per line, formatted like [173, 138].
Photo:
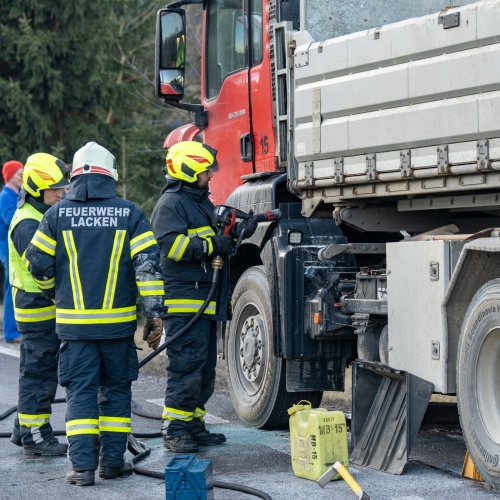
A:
[98, 375]
[37, 385]
[190, 374]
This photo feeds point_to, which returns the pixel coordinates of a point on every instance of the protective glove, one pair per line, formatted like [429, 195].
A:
[153, 328]
[249, 226]
[222, 245]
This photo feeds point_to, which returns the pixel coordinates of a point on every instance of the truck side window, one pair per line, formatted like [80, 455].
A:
[226, 42]
[257, 41]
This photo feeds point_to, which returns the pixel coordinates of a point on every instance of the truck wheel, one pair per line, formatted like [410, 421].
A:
[257, 379]
[478, 373]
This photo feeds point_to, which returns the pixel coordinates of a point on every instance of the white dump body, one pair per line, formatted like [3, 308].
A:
[410, 108]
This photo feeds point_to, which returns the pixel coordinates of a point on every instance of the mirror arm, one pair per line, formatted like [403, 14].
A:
[180, 3]
[200, 113]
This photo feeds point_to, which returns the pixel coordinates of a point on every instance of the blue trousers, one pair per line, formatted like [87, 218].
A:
[9, 323]
[98, 375]
[190, 374]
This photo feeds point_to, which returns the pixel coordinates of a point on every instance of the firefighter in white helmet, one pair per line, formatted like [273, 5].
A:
[94, 253]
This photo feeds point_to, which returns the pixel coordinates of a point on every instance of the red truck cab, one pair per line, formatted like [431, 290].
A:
[236, 87]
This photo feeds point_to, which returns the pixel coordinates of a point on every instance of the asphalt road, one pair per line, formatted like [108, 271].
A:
[254, 458]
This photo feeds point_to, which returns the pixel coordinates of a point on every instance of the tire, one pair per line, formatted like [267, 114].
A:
[257, 378]
[478, 376]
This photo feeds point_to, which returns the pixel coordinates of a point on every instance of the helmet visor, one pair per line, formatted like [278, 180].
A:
[214, 167]
[66, 173]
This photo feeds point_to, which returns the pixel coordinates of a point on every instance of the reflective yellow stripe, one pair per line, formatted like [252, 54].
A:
[74, 274]
[26, 420]
[46, 284]
[199, 413]
[114, 260]
[178, 248]
[115, 424]
[141, 242]
[82, 426]
[94, 316]
[188, 306]
[205, 232]
[32, 315]
[201, 232]
[174, 414]
[44, 243]
[148, 288]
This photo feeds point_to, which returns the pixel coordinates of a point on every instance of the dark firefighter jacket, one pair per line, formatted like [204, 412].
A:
[93, 253]
[33, 312]
[181, 223]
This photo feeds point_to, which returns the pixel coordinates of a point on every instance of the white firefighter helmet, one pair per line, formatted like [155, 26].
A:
[94, 159]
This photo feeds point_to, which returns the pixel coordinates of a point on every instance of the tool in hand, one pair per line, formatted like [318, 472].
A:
[225, 219]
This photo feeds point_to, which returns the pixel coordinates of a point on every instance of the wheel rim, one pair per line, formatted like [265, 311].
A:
[487, 376]
[250, 349]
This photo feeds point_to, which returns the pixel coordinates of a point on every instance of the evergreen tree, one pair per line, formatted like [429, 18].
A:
[72, 72]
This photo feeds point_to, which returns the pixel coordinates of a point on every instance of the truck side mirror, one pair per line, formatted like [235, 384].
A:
[170, 52]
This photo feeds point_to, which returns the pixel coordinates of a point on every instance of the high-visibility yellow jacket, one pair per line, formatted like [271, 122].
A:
[33, 312]
[94, 254]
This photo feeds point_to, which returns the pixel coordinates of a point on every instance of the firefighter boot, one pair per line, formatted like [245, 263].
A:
[80, 477]
[206, 438]
[49, 448]
[112, 472]
[182, 443]
[15, 438]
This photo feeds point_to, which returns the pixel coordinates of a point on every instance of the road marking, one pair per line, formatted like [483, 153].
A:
[9, 352]
[209, 418]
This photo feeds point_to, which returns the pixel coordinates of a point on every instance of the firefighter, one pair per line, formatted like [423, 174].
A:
[93, 253]
[182, 225]
[44, 178]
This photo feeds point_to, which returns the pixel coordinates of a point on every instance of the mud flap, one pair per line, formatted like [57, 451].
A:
[387, 409]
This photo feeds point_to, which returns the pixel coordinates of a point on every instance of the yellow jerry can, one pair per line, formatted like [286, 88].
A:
[318, 439]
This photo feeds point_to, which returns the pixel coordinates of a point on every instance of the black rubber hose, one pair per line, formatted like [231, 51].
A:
[8, 412]
[174, 337]
[14, 408]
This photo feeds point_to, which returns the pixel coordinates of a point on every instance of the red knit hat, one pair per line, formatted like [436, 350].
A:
[10, 168]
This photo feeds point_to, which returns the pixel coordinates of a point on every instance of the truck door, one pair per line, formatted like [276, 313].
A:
[226, 93]
[261, 105]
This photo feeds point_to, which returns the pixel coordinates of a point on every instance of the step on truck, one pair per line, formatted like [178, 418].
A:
[375, 128]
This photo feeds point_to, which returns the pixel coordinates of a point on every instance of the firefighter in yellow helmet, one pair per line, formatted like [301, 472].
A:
[44, 178]
[182, 225]
[95, 253]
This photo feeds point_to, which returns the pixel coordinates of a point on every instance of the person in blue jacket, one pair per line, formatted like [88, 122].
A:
[12, 173]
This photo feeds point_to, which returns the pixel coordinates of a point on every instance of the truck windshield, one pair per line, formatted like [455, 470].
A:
[332, 18]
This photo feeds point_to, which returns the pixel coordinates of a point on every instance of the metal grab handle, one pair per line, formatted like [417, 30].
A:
[246, 147]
